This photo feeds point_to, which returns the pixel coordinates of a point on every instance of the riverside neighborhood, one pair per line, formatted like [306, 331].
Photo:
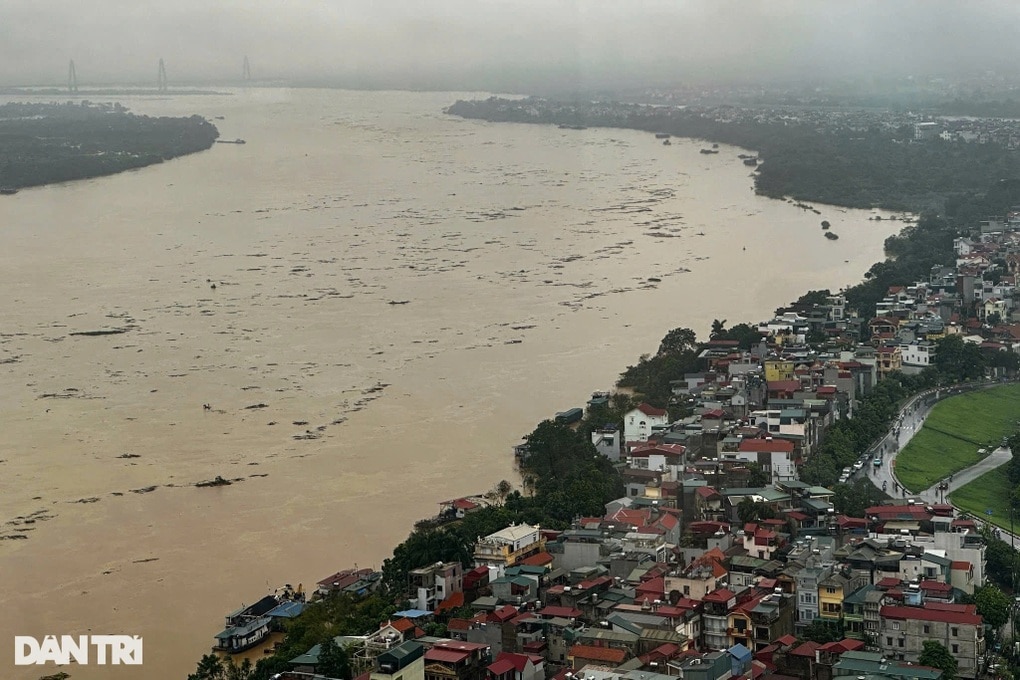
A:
[751, 530]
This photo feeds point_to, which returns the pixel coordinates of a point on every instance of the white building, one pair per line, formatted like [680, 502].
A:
[638, 423]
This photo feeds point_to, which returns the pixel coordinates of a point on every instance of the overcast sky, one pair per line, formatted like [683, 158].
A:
[486, 43]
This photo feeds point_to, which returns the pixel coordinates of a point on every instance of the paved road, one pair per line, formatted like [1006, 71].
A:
[910, 421]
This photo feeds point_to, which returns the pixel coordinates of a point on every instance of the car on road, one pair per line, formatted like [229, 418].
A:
[858, 465]
[844, 478]
[877, 462]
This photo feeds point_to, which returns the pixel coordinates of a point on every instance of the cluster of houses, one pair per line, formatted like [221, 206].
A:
[630, 596]
[671, 581]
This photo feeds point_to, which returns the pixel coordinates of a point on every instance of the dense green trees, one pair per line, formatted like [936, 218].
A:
[46, 143]
[651, 377]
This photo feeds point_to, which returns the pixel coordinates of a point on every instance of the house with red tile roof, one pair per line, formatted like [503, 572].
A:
[580, 656]
[509, 666]
[639, 423]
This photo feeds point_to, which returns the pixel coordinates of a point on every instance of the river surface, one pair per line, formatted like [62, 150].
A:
[259, 280]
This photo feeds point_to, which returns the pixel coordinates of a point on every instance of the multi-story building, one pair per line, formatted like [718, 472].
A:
[831, 592]
[433, 584]
[904, 630]
[808, 580]
[507, 547]
[715, 617]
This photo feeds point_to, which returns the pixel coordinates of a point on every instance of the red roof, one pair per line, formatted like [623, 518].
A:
[649, 410]
[723, 595]
[500, 667]
[783, 385]
[932, 612]
[540, 560]
[561, 612]
[806, 649]
[519, 661]
[443, 655]
[458, 624]
[504, 613]
[960, 565]
[888, 582]
[844, 645]
[464, 504]
[706, 492]
[786, 640]
[455, 601]
[767, 445]
[403, 625]
[598, 653]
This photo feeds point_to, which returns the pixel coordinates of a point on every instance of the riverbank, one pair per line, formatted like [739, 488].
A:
[50, 143]
[349, 201]
[840, 158]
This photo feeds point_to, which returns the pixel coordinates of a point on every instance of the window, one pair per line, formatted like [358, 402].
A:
[888, 642]
[956, 649]
[687, 590]
[899, 642]
[955, 631]
[895, 625]
[830, 590]
[927, 629]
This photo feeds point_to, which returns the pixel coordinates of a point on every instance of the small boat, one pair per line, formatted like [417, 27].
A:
[701, 233]
[8, 191]
[666, 142]
[751, 161]
[662, 135]
[572, 127]
[230, 141]
[708, 151]
[831, 236]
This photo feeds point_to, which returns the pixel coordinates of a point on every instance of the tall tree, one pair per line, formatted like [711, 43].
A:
[333, 661]
[993, 606]
[936, 655]
[210, 667]
[677, 341]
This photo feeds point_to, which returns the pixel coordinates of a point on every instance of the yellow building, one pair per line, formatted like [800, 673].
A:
[507, 547]
[831, 592]
[778, 369]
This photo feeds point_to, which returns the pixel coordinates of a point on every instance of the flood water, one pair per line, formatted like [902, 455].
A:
[374, 300]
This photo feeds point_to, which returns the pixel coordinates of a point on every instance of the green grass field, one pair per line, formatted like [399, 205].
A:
[953, 433]
[990, 491]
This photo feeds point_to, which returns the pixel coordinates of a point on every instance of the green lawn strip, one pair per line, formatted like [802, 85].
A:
[932, 456]
[990, 491]
[954, 431]
[983, 416]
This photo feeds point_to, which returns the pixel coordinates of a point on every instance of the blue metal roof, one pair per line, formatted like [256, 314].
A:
[414, 613]
[287, 610]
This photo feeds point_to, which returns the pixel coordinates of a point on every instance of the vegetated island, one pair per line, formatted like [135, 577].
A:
[849, 158]
[48, 143]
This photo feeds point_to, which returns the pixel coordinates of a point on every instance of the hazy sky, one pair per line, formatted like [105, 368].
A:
[482, 43]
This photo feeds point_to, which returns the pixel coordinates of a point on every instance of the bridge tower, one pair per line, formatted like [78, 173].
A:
[72, 78]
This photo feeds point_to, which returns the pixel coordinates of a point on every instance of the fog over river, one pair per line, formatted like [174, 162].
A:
[261, 280]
